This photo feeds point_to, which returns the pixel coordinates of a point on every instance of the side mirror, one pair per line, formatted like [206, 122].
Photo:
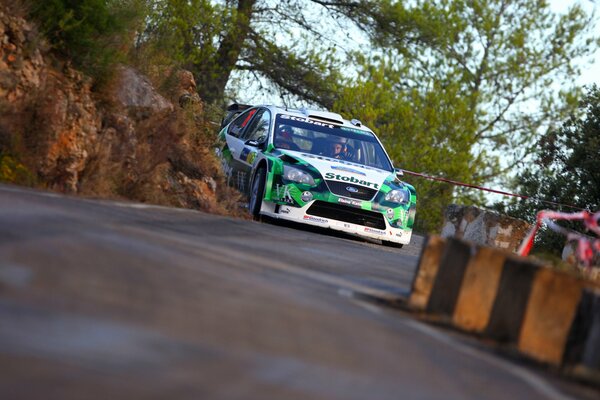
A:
[260, 142]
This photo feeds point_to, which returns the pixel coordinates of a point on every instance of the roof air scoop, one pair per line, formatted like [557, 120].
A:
[323, 116]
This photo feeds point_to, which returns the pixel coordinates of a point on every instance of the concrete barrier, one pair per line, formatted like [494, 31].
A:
[550, 312]
[484, 227]
[511, 300]
[549, 315]
[478, 290]
[449, 277]
[582, 349]
[429, 262]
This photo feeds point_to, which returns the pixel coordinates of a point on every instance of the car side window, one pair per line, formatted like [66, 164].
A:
[237, 126]
[259, 128]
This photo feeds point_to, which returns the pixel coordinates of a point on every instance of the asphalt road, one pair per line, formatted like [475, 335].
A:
[107, 300]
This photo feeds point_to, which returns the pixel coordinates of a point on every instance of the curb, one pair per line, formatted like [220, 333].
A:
[548, 315]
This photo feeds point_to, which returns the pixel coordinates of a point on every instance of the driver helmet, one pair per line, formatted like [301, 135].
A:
[333, 148]
[285, 132]
[284, 137]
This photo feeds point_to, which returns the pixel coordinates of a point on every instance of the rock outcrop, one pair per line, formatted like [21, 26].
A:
[134, 92]
[66, 127]
[126, 141]
[22, 69]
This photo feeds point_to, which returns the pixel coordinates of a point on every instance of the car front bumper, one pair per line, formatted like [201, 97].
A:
[300, 215]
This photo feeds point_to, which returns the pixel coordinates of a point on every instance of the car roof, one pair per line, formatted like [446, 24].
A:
[319, 115]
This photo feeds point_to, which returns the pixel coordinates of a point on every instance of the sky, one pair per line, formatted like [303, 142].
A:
[589, 73]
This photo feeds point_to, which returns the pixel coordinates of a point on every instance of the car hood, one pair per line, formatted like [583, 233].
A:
[344, 171]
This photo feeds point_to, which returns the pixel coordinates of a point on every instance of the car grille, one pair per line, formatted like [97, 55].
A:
[347, 214]
[361, 192]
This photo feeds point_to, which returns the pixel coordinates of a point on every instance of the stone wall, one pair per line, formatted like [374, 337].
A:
[484, 227]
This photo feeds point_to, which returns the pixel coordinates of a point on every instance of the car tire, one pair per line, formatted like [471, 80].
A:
[256, 193]
[392, 244]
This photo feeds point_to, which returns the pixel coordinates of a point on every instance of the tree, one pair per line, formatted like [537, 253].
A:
[94, 34]
[422, 130]
[567, 170]
[473, 84]
[460, 88]
[273, 40]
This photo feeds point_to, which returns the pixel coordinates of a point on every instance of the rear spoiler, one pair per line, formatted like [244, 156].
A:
[233, 111]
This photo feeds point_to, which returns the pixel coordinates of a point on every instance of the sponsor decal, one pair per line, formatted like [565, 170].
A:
[350, 179]
[306, 120]
[282, 192]
[346, 169]
[390, 213]
[244, 153]
[284, 210]
[227, 170]
[345, 128]
[251, 157]
[241, 181]
[375, 231]
[355, 203]
[399, 234]
[315, 219]
[347, 226]
[402, 215]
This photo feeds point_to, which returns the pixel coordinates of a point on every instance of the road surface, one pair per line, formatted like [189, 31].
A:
[109, 300]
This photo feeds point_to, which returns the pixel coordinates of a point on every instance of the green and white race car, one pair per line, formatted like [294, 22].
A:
[316, 168]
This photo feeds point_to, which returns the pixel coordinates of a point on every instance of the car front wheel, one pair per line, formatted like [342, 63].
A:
[257, 192]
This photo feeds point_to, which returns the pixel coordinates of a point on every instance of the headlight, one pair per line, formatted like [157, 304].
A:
[400, 196]
[296, 175]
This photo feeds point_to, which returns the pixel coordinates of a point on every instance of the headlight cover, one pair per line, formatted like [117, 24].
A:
[400, 196]
[298, 176]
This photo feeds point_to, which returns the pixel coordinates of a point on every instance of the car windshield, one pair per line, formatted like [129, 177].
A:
[328, 140]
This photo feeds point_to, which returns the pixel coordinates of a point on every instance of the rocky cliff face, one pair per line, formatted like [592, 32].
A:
[128, 141]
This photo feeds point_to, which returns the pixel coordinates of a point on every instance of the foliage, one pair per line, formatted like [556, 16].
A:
[467, 86]
[273, 40]
[455, 88]
[422, 131]
[13, 171]
[567, 171]
[94, 34]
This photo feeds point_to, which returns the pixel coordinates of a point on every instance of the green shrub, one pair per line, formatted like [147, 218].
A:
[93, 34]
[13, 171]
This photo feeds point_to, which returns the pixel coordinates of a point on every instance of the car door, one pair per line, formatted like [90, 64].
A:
[232, 146]
[238, 171]
[254, 139]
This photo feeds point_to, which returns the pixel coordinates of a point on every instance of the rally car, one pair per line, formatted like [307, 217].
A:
[316, 168]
